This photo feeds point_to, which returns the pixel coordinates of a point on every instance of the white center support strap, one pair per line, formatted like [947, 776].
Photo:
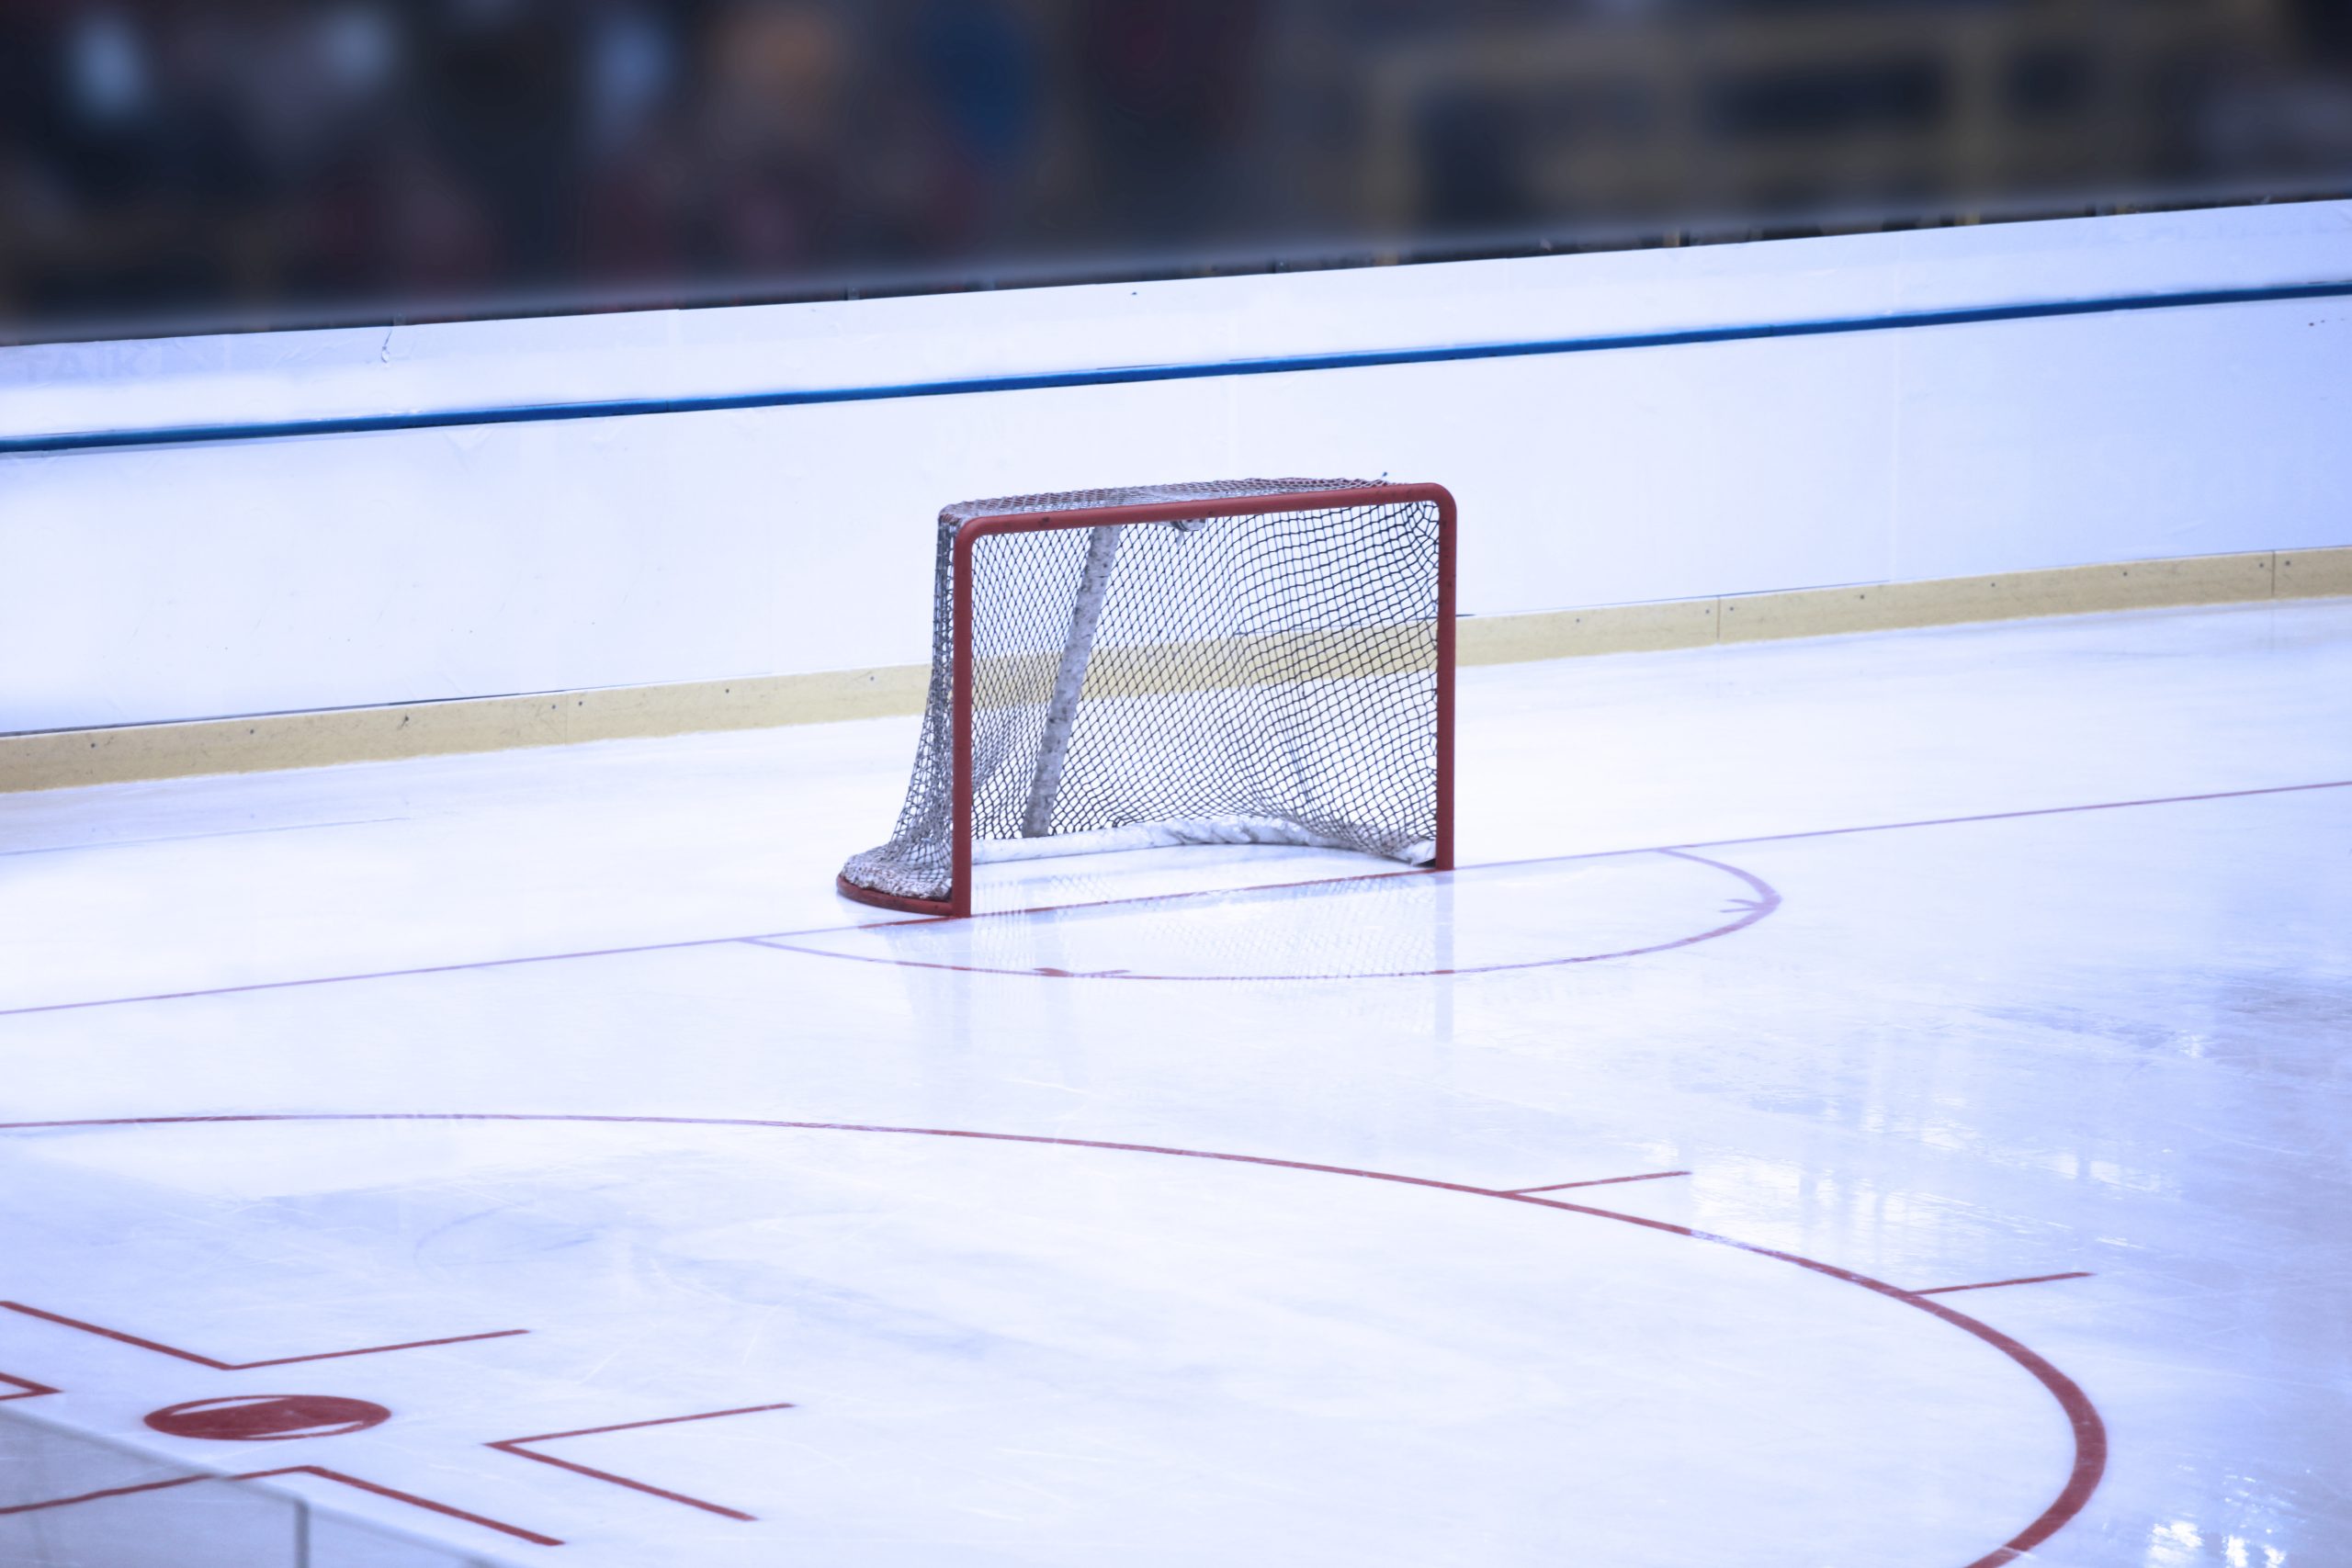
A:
[1069, 680]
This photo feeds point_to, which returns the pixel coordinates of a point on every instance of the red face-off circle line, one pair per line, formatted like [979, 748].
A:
[2089, 1432]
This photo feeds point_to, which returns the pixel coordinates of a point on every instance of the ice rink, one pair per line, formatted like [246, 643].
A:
[1866, 1100]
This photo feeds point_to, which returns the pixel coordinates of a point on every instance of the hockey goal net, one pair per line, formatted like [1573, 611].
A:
[1242, 662]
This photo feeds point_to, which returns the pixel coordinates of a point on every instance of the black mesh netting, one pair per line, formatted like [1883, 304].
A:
[1264, 678]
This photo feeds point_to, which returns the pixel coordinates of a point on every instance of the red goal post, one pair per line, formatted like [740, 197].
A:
[1110, 515]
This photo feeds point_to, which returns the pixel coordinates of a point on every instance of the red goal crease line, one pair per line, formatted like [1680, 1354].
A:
[1675, 849]
[632, 950]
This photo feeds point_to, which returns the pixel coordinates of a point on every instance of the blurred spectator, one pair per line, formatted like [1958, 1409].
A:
[1164, 87]
[178, 164]
[978, 80]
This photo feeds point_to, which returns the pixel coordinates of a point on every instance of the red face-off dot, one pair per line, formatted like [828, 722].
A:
[267, 1418]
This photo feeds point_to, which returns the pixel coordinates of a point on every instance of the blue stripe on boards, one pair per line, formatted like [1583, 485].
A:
[616, 408]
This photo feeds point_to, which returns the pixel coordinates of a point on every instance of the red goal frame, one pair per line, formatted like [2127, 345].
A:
[957, 905]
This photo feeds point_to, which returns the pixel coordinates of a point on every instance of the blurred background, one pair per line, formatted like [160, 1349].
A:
[173, 166]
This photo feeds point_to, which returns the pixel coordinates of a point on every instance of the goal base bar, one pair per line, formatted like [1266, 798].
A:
[881, 900]
[1421, 856]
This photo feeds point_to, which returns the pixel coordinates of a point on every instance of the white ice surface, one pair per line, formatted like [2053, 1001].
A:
[2106, 1041]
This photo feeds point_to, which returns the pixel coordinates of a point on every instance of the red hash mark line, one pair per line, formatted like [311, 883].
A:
[2090, 1443]
[25, 1388]
[515, 1446]
[413, 1501]
[1600, 1181]
[121, 1338]
[1996, 1284]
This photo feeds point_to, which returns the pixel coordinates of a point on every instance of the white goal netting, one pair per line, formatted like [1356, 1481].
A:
[1269, 677]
